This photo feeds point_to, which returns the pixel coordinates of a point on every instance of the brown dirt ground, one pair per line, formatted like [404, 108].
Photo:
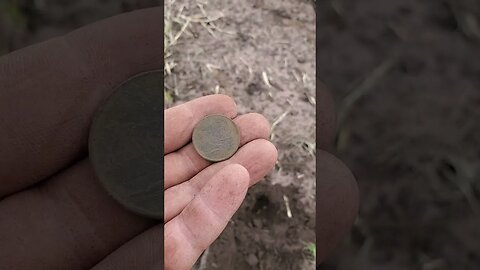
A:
[251, 38]
[413, 138]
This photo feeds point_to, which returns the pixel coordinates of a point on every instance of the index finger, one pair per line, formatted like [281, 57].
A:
[180, 120]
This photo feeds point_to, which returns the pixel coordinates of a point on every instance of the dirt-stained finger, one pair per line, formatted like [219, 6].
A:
[205, 217]
[258, 157]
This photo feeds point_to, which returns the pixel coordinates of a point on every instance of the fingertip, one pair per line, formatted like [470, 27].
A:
[237, 168]
[238, 177]
[260, 120]
[274, 153]
[225, 102]
[261, 125]
[270, 150]
[224, 193]
[252, 126]
[266, 155]
[337, 203]
[341, 178]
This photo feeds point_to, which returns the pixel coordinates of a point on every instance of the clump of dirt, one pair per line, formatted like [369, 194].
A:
[412, 137]
[262, 53]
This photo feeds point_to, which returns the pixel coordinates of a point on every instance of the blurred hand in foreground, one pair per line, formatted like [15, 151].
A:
[54, 214]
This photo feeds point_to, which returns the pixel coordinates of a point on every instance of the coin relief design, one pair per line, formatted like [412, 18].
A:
[126, 146]
[216, 138]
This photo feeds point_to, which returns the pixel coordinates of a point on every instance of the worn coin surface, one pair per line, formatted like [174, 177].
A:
[126, 146]
[216, 138]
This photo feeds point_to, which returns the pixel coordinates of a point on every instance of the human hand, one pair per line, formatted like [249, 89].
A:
[201, 197]
[54, 214]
